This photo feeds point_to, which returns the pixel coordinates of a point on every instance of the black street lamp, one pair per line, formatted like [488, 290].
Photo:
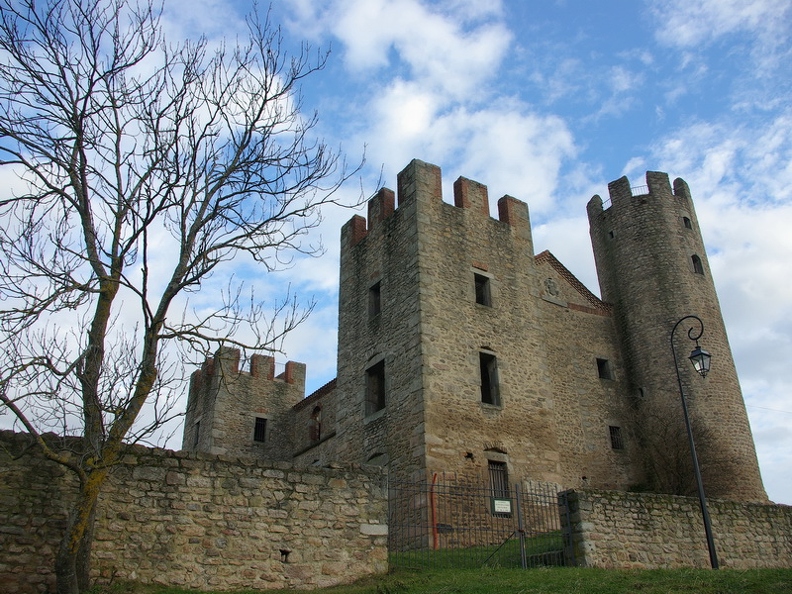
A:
[701, 361]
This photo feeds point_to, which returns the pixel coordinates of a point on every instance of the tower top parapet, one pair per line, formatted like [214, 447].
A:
[657, 184]
[262, 368]
[424, 179]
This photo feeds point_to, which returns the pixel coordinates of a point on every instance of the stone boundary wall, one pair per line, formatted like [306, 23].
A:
[613, 529]
[196, 521]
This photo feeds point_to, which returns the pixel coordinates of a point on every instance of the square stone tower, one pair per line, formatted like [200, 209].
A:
[460, 351]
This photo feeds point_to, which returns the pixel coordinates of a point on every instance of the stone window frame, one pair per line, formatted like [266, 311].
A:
[687, 223]
[604, 368]
[375, 391]
[260, 429]
[489, 378]
[482, 287]
[375, 300]
[315, 425]
[698, 265]
[498, 478]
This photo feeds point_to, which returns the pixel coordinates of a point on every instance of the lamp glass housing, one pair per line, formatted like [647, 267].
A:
[700, 360]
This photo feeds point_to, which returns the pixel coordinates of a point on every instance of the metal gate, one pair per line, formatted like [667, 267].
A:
[451, 521]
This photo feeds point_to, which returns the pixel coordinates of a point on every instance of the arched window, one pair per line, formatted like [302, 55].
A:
[698, 268]
[315, 426]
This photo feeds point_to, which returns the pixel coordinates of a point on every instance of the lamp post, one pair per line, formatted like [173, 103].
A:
[701, 362]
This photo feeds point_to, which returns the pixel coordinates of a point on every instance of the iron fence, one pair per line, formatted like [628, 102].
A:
[447, 520]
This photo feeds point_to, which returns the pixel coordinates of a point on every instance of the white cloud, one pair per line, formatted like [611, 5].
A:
[687, 23]
[431, 43]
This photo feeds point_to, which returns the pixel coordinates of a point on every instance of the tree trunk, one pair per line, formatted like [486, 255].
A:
[73, 560]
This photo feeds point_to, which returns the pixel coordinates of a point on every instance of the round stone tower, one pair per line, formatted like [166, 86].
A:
[653, 269]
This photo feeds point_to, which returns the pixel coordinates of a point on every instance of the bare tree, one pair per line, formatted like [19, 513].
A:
[143, 167]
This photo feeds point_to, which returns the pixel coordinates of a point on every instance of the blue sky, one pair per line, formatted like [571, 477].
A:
[548, 102]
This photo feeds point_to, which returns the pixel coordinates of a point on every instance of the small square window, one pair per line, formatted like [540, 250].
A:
[490, 394]
[604, 369]
[617, 443]
[375, 388]
[260, 430]
[375, 303]
[483, 296]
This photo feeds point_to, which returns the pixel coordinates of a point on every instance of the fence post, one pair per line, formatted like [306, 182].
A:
[520, 527]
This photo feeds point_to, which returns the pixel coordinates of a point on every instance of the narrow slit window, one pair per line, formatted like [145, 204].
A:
[315, 426]
[260, 430]
[698, 267]
[375, 300]
[490, 393]
[375, 388]
[483, 295]
[617, 443]
[604, 369]
[197, 434]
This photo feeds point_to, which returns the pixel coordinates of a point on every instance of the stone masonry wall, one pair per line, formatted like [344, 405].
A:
[196, 521]
[314, 420]
[612, 529]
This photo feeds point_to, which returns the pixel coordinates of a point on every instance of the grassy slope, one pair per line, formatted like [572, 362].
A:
[547, 581]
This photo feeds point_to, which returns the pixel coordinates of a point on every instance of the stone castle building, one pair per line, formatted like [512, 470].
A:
[461, 351]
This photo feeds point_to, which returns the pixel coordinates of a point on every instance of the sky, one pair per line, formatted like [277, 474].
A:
[548, 102]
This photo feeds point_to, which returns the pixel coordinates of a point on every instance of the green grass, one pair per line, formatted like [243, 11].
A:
[545, 549]
[558, 580]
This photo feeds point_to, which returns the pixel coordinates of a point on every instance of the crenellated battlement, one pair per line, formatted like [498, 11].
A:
[424, 180]
[620, 191]
[225, 363]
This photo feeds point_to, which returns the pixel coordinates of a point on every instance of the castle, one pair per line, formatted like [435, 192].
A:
[461, 351]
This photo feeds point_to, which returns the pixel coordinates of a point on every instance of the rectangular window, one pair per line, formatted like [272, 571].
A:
[375, 304]
[616, 438]
[604, 369]
[197, 434]
[483, 296]
[260, 430]
[499, 488]
[489, 379]
[375, 388]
